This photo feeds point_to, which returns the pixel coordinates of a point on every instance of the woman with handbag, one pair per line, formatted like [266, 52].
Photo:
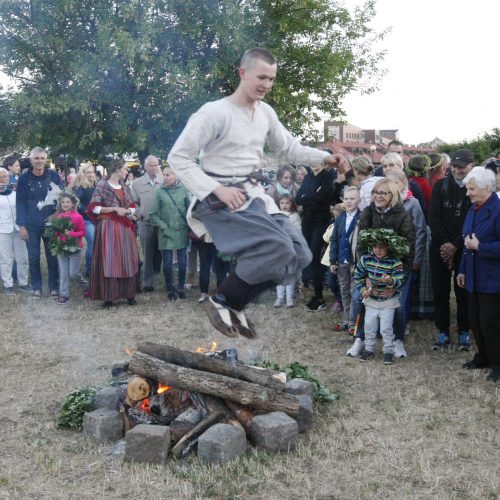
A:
[168, 213]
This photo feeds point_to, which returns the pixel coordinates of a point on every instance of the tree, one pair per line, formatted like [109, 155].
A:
[484, 147]
[103, 76]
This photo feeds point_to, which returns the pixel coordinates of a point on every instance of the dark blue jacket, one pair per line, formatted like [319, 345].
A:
[84, 195]
[482, 267]
[340, 245]
[315, 195]
[36, 200]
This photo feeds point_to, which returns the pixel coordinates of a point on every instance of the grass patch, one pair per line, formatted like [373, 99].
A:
[422, 428]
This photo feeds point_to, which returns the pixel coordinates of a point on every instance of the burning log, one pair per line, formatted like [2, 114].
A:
[187, 440]
[264, 399]
[138, 389]
[243, 415]
[264, 377]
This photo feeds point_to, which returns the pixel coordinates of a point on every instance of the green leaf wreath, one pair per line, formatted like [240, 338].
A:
[59, 242]
[398, 246]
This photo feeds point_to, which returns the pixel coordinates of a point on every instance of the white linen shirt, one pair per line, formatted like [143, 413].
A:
[224, 139]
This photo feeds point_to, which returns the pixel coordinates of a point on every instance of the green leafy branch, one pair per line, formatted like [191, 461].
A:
[75, 405]
[298, 370]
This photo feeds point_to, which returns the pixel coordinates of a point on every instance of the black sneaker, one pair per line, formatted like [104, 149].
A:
[474, 364]
[131, 302]
[316, 304]
[365, 355]
[494, 375]
[388, 358]
[181, 294]
[172, 296]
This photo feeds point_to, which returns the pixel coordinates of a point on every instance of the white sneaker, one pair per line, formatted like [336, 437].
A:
[290, 302]
[279, 302]
[356, 349]
[399, 349]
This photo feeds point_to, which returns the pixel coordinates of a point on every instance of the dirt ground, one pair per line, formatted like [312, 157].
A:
[422, 428]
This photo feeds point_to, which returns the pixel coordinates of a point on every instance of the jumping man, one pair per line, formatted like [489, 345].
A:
[217, 157]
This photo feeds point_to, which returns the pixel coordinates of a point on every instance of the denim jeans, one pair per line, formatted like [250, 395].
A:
[358, 308]
[89, 237]
[167, 256]
[208, 256]
[402, 313]
[69, 267]
[33, 244]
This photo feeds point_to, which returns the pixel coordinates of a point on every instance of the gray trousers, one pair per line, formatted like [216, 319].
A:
[267, 247]
[69, 267]
[148, 235]
[346, 284]
[376, 319]
[13, 247]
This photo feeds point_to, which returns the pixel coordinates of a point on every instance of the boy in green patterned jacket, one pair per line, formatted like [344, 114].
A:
[376, 272]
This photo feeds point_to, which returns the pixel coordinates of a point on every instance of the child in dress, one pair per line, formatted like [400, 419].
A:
[70, 262]
[375, 273]
[331, 278]
[286, 292]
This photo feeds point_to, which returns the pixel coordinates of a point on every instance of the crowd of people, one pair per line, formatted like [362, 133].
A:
[388, 240]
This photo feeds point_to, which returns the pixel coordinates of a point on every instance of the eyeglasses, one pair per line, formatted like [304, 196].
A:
[380, 193]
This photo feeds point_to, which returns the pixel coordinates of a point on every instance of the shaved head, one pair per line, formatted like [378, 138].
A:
[252, 55]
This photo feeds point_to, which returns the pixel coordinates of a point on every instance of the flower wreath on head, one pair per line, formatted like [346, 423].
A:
[398, 245]
[423, 164]
[438, 164]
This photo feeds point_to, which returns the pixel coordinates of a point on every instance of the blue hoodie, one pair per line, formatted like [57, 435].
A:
[37, 197]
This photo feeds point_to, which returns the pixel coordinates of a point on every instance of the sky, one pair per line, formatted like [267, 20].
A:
[443, 71]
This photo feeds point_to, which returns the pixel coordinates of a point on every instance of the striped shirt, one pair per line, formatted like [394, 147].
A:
[372, 268]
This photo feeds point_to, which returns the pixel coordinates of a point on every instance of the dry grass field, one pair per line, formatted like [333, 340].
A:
[422, 428]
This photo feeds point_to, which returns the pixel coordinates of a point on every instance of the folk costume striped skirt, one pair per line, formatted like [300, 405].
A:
[115, 262]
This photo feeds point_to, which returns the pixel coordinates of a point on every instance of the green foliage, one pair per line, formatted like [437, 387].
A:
[98, 76]
[398, 245]
[298, 370]
[75, 405]
[60, 243]
[483, 147]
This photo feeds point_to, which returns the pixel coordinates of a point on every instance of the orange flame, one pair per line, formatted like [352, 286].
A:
[212, 348]
[163, 388]
[130, 350]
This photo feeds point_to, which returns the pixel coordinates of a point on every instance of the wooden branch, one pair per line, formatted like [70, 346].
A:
[265, 377]
[261, 398]
[184, 441]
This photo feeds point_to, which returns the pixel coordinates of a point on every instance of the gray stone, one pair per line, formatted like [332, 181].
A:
[119, 369]
[305, 416]
[221, 444]
[185, 422]
[108, 397]
[300, 386]
[147, 444]
[274, 431]
[103, 424]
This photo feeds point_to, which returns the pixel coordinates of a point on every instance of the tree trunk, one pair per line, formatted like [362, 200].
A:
[265, 377]
[261, 398]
